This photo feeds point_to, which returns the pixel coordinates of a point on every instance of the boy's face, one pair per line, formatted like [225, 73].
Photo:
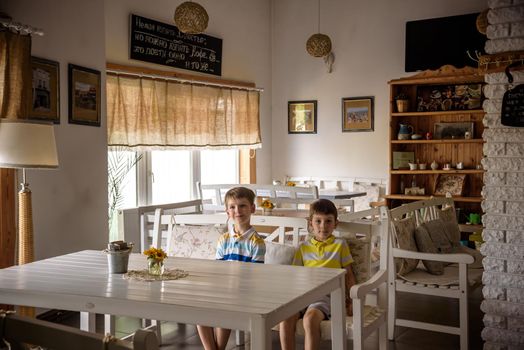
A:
[240, 210]
[323, 225]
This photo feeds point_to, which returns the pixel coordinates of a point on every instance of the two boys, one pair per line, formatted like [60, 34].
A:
[242, 243]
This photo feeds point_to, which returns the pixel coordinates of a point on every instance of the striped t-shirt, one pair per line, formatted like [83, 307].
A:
[247, 247]
[333, 252]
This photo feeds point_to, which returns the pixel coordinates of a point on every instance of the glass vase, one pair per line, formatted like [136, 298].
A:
[155, 267]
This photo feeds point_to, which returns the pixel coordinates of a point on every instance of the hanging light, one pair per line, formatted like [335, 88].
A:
[318, 45]
[191, 18]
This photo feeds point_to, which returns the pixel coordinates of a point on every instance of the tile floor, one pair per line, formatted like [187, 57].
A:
[420, 307]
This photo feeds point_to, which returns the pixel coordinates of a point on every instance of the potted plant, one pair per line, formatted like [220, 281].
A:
[402, 102]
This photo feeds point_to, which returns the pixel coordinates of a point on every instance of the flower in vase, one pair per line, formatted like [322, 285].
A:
[155, 261]
[267, 204]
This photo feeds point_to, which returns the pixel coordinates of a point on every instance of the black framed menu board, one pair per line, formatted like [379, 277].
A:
[161, 43]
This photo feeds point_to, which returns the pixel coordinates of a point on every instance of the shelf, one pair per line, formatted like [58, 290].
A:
[415, 172]
[470, 228]
[429, 114]
[438, 141]
[418, 198]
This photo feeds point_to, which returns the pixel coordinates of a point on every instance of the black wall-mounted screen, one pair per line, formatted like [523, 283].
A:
[432, 43]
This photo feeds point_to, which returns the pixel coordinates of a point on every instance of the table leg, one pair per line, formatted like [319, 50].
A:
[338, 318]
[260, 334]
[88, 321]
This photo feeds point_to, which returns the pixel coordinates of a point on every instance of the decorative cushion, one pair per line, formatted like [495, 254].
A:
[438, 234]
[198, 241]
[447, 215]
[477, 264]
[405, 235]
[281, 254]
[360, 251]
[425, 244]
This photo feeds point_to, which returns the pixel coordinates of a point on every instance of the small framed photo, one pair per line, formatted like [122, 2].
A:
[450, 183]
[460, 130]
[302, 117]
[357, 114]
[84, 95]
[43, 102]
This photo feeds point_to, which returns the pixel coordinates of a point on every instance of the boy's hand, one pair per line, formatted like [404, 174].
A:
[349, 308]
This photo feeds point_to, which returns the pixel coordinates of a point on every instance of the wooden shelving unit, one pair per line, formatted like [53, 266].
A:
[443, 151]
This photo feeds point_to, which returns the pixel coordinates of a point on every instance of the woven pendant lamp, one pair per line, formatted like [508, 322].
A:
[318, 45]
[191, 18]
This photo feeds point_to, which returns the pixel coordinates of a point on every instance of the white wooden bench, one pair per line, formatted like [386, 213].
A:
[186, 235]
[406, 274]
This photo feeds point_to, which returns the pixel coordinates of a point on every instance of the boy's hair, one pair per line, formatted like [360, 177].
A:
[240, 192]
[323, 206]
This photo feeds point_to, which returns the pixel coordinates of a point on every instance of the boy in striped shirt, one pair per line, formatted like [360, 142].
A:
[321, 250]
[241, 243]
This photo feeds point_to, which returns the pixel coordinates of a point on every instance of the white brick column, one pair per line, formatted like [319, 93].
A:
[503, 191]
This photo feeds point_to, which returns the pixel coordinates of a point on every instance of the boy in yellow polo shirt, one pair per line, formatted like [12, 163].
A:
[322, 250]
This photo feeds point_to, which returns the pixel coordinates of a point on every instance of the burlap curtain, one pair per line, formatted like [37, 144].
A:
[152, 113]
[15, 56]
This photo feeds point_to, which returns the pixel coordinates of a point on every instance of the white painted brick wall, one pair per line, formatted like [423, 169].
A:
[495, 321]
[515, 237]
[503, 191]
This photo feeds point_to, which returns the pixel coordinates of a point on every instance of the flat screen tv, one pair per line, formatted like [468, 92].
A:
[432, 43]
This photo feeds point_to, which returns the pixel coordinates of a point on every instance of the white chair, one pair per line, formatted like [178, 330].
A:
[292, 195]
[361, 229]
[453, 283]
[19, 330]
[142, 224]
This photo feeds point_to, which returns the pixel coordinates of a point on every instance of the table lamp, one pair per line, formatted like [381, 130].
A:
[26, 145]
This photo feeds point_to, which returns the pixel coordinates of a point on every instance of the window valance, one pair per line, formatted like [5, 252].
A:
[144, 112]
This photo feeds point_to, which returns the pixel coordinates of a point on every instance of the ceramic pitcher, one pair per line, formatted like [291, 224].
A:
[405, 131]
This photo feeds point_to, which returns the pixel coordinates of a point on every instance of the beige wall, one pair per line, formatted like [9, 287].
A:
[264, 43]
[69, 204]
[368, 42]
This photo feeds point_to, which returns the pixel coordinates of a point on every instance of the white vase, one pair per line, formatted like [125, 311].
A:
[434, 165]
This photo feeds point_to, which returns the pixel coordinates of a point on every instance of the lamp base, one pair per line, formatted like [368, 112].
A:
[25, 237]
[25, 226]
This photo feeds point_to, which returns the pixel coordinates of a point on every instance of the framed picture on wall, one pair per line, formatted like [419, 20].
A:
[357, 114]
[302, 117]
[84, 96]
[43, 102]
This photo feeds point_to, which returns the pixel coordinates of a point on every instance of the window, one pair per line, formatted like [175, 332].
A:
[170, 176]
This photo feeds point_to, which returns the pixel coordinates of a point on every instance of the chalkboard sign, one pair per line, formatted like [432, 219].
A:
[513, 107]
[157, 42]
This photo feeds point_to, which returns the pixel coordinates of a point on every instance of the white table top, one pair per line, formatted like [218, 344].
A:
[216, 293]
[336, 194]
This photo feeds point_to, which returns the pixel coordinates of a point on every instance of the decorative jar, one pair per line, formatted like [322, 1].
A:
[155, 267]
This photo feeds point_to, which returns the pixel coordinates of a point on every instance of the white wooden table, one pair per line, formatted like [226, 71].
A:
[249, 297]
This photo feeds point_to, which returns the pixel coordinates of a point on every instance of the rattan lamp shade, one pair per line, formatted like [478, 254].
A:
[26, 145]
[191, 18]
[318, 45]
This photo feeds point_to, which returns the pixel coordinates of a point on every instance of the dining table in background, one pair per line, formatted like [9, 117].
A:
[248, 297]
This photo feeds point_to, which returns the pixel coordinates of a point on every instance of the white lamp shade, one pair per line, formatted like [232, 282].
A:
[27, 145]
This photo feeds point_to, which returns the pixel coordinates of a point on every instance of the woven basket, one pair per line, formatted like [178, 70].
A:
[191, 18]
[318, 45]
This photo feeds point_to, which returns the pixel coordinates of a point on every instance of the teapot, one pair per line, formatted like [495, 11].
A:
[404, 131]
